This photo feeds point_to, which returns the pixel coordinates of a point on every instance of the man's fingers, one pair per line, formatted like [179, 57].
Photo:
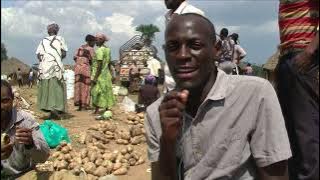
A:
[171, 122]
[170, 95]
[173, 103]
[23, 134]
[184, 96]
[173, 112]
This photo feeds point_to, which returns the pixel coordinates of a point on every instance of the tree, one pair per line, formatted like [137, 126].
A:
[3, 52]
[148, 31]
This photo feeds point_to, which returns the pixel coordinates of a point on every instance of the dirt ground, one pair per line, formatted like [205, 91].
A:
[78, 122]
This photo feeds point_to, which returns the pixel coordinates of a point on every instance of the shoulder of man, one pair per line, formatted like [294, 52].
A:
[28, 119]
[243, 82]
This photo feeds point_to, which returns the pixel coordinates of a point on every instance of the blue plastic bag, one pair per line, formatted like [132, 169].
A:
[54, 133]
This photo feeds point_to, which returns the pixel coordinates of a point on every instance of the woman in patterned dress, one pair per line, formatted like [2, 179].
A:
[83, 58]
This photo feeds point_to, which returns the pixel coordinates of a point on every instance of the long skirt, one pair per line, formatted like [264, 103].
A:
[51, 95]
[82, 90]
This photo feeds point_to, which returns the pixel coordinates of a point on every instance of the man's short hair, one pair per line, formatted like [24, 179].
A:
[6, 84]
[209, 23]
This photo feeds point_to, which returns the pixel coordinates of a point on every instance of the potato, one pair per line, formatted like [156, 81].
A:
[135, 140]
[63, 143]
[135, 155]
[132, 161]
[127, 156]
[72, 165]
[101, 146]
[100, 171]
[106, 163]
[77, 160]
[65, 149]
[82, 138]
[89, 167]
[85, 160]
[107, 156]
[140, 115]
[126, 165]
[56, 154]
[135, 122]
[130, 122]
[117, 166]
[76, 170]
[124, 160]
[124, 151]
[92, 156]
[121, 171]
[62, 165]
[122, 141]
[125, 135]
[129, 149]
[61, 157]
[83, 152]
[119, 157]
[135, 131]
[99, 162]
[67, 157]
[131, 117]
[140, 161]
[88, 138]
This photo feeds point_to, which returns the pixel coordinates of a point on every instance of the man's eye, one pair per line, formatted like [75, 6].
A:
[172, 47]
[196, 45]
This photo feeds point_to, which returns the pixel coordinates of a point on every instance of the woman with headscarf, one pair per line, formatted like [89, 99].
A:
[51, 88]
[83, 58]
[102, 95]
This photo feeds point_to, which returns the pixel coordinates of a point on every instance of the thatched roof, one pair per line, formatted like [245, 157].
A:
[272, 62]
[11, 66]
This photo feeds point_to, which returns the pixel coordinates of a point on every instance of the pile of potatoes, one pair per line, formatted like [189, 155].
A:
[135, 135]
[134, 119]
[100, 134]
[95, 161]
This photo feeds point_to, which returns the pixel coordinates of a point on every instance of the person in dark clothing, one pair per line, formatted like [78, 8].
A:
[149, 92]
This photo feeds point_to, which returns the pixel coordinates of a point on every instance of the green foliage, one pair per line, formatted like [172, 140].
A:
[4, 55]
[148, 30]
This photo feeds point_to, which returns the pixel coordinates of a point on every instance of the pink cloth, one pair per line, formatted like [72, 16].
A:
[83, 58]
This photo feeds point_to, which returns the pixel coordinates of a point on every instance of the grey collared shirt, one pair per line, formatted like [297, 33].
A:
[22, 158]
[238, 127]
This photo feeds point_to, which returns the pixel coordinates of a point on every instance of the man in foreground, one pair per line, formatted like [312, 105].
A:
[206, 128]
[298, 84]
[27, 145]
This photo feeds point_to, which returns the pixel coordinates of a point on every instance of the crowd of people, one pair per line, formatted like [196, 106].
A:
[203, 126]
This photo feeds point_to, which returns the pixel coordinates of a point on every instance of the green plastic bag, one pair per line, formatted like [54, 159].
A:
[54, 133]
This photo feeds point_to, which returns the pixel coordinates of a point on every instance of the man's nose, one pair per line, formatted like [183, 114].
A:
[183, 53]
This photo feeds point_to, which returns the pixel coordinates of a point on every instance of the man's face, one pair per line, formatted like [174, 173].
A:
[173, 4]
[6, 104]
[189, 52]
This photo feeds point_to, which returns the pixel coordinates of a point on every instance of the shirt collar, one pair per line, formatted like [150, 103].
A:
[219, 88]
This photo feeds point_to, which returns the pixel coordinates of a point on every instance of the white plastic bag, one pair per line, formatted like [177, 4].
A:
[128, 105]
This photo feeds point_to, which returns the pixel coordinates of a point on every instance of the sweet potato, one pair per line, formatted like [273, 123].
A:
[67, 157]
[140, 161]
[76, 170]
[135, 131]
[122, 141]
[117, 166]
[65, 149]
[136, 140]
[132, 161]
[129, 149]
[83, 152]
[127, 156]
[61, 165]
[100, 171]
[72, 165]
[56, 154]
[92, 156]
[124, 151]
[121, 171]
[125, 135]
[99, 162]
[101, 146]
[89, 167]
[100, 136]
[85, 160]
